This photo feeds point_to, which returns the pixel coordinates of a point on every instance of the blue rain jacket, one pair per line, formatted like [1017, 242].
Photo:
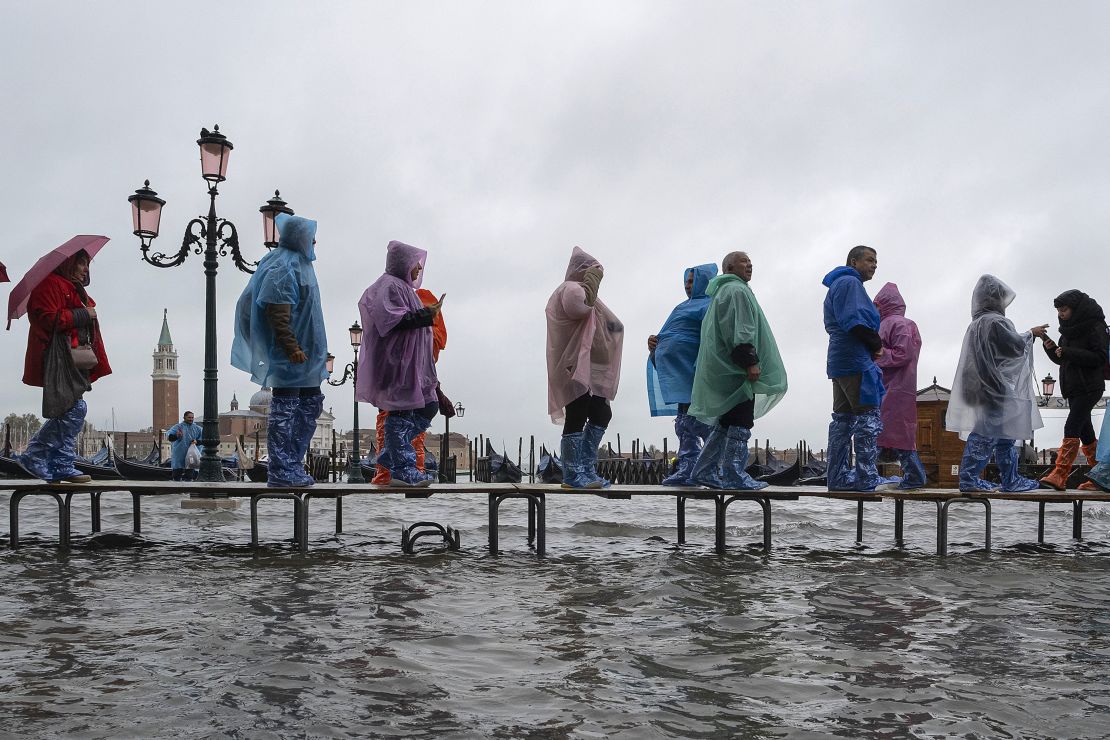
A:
[188, 433]
[846, 305]
[285, 275]
[671, 377]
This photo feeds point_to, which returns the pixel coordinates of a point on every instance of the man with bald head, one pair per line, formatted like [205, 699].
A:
[852, 323]
[739, 376]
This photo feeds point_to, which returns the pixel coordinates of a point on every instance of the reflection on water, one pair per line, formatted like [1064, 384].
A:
[186, 632]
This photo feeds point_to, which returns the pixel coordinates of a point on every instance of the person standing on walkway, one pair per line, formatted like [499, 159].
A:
[280, 340]
[1082, 357]
[901, 348]
[584, 345]
[396, 370]
[670, 370]
[993, 400]
[182, 436]
[63, 328]
[852, 323]
[739, 376]
[439, 343]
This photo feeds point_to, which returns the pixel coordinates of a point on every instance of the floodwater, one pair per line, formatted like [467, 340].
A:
[187, 632]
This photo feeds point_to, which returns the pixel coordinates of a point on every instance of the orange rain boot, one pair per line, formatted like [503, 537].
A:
[381, 473]
[1065, 457]
[1089, 453]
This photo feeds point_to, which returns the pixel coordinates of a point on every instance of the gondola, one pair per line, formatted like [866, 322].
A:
[11, 468]
[260, 473]
[132, 470]
[785, 477]
[97, 472]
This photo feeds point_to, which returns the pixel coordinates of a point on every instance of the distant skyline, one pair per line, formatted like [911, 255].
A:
[955, 138]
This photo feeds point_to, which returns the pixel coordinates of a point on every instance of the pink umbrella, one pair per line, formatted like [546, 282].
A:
[21, 293]
[4, 274]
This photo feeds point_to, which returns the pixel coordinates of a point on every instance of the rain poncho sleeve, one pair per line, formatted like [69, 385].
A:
[901, 348]
[395, 367]
[186, 434]
[993, 394]
[735, 318]
[847, 306]
[584, 343]
[670, 370]
[284, 276]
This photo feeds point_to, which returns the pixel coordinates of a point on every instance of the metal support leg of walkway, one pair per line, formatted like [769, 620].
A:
[537, 519]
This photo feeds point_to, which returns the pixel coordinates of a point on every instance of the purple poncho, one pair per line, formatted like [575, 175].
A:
[901, 348]
[395, 368]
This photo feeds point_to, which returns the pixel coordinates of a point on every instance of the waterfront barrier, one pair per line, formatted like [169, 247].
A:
[536, 498]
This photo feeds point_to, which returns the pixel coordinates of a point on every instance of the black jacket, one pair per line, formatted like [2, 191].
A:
[1084, 358]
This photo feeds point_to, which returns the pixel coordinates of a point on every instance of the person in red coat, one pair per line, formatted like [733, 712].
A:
[60, 304]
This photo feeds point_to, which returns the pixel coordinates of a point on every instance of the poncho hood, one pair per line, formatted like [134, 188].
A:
[990, 295]
[889, 301]
[839, 272]
[296, 234]
[400, 258]
[579, 263]
[702, 275]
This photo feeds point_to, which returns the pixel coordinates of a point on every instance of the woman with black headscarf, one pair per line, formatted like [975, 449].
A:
[1082, 357]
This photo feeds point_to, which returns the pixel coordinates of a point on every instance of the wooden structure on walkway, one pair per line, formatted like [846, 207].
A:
[536, 497]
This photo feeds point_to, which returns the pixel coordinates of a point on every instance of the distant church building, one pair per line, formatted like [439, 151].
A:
[165, 377]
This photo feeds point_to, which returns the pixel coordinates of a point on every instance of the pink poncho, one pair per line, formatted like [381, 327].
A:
[901, 347]
[583, 344]
[395, 368]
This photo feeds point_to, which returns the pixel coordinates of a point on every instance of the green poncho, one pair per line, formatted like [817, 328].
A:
[734, 318]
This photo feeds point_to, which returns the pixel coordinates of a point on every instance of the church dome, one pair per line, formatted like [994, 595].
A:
[260, 401]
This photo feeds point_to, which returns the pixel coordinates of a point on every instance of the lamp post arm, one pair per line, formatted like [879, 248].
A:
[348, 372]
[190, 240]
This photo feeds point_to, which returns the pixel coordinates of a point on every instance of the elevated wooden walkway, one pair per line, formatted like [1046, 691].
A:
[536, 497]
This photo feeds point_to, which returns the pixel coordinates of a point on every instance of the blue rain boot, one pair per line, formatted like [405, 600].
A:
[420, 424]
[688, 448]
[841, 475]
[707, 469]
[913, 472]
[1099, 475]
[977, 453]
[286, 468]
[1006, 457]
[304, 427]
[398, 454]
[591, 440]
[866, 428]
[570, 449]
[51, 452]
[734, 460]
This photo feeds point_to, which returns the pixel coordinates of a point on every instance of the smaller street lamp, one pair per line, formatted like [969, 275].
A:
[1048, 384]
[269, 212]
[146, 214]
[354, 475]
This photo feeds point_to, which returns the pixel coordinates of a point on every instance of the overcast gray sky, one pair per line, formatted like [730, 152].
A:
[954, 137]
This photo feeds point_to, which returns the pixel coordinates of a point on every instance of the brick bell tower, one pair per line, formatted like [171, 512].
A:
[165, 379]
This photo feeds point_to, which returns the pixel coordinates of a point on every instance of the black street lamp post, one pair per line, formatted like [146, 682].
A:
[219, 236]
[445, 445]
[354, 475]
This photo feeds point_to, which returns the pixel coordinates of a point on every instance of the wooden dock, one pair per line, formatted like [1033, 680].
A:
[536, 497]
